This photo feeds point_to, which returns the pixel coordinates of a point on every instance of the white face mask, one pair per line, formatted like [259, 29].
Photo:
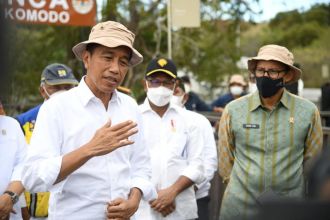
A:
[54, 94]
[159, 96]
[236, 90]
[177, 100]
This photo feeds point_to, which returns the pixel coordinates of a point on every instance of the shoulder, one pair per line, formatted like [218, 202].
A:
[9, 123]
[303, 103]
[241, 102]
[28, 115]
[126, 99]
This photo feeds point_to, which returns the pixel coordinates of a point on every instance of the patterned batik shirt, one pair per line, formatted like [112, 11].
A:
[264, 151]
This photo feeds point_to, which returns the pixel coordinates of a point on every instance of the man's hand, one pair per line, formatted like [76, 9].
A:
[165, 203]
[108, 138]
[6, 206]
[121, 209]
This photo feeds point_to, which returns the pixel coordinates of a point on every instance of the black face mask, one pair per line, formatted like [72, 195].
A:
[268, 87]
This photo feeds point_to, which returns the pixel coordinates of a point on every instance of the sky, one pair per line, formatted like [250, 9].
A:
[272, 7]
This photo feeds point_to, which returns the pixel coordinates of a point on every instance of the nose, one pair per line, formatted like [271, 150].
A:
[114, 66]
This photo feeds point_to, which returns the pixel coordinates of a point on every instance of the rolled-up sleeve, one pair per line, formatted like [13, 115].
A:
[195, 170]
[209, 152]
[141, 166]
[43, 161]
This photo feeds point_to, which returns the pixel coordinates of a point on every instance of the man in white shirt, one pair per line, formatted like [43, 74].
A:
[87, 145]
[210, 157]
[12, 154]
[175, 147]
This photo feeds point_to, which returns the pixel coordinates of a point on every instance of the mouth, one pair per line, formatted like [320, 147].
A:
[111, 80]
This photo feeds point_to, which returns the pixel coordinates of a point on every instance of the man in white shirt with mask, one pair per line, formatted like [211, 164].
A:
[209, 151]
[56, 78]
[175, 147]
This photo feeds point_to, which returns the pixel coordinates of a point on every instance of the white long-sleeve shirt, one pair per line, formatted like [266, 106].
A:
[65, 123]
[12, 153]
[210, 157]
[175, 146]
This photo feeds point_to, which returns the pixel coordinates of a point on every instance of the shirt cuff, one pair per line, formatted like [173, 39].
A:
[193, 175]
[41, 175]
[147, 188]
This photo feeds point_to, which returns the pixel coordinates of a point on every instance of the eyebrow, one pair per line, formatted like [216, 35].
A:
[110, 51]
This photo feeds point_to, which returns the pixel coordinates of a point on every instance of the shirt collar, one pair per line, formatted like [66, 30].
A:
[146, 107]
[86, 95]
[255, 101]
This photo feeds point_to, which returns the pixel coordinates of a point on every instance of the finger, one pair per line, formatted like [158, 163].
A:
[125, 142]
[107, 124]
[115, 202]
[125, 130]
[122, 125]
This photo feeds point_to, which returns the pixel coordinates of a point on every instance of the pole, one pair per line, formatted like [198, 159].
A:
[169, 29]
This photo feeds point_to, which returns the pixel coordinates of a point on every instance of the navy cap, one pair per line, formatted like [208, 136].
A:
[161, 65]
[58, 74]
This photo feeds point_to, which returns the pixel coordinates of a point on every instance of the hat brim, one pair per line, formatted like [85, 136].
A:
[61, 82]
[108, 42]
[161, 70]
[252, 63]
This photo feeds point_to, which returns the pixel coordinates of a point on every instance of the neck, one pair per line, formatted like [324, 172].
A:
[270, 102]
[103, 96]
[160, 110]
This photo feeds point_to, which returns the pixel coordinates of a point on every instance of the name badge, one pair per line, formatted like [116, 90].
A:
[253, 126]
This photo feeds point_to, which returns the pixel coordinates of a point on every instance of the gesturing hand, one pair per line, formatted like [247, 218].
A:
[110, 137]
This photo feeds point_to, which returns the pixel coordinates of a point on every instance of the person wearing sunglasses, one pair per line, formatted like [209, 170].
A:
[267, 138]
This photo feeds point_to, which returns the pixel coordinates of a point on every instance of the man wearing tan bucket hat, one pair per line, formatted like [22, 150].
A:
[87, 147]
[266, 138]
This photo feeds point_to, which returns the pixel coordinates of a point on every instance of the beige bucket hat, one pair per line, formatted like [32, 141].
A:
[276, 53]
[110, 34]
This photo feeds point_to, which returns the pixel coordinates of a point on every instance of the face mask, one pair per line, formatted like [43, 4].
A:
[236, 90]
[268, 87]
[177, 100]
[159, 96]
[54, 94]
[252, 87]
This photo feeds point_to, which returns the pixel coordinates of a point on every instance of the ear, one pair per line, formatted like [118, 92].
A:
[85, 58]
[42, 92]
[144, 82]
[288, 77]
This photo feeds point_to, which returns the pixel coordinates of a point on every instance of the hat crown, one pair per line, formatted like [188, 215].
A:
[112, 29]
[281, 53]
[163, 65]
[57, 72]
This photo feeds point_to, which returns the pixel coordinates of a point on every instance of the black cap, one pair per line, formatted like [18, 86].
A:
[162, 65]
[58, 74]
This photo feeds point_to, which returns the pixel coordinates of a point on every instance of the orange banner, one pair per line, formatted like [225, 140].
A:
[56, 12]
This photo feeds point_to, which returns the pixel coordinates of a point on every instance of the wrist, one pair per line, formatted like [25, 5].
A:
[12, 196]
[87, 151]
